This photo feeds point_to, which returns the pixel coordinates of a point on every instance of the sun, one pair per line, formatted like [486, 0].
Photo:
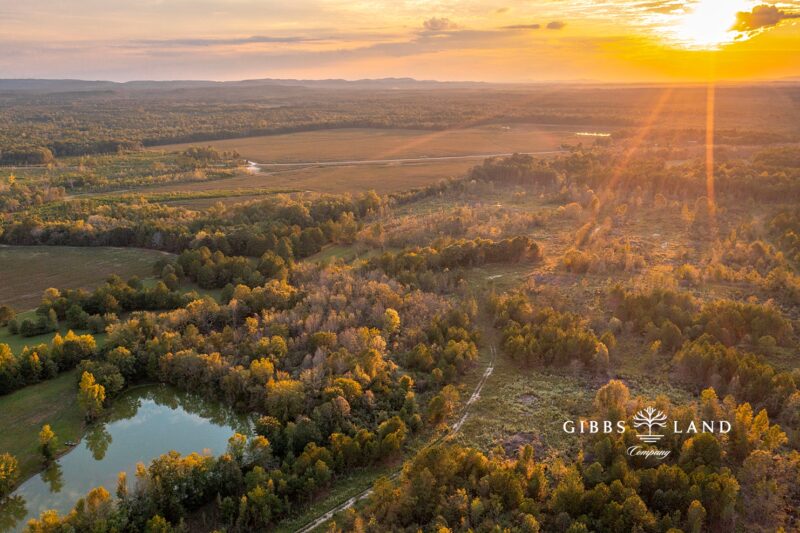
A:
[707, 24]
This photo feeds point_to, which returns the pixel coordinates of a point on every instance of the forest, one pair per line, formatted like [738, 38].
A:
[61, 122]
[415, 353]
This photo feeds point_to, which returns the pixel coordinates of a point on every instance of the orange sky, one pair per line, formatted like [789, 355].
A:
[502, 40]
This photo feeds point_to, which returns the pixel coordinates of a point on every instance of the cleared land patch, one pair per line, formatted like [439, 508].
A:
[26, 271]
[386, 160]
[372, 143]
[383, 178]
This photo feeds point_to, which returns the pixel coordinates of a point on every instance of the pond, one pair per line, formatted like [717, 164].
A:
[142, 424]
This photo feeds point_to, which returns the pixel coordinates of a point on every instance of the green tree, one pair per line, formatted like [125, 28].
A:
[284, 250]
[695, 517]
[443, 404]
[6, 314]
[158, 524]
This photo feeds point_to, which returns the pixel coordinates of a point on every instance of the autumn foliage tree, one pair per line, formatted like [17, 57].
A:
[47, 443]
[9, 473]
[91, 396]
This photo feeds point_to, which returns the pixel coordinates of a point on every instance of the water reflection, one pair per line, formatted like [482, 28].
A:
[97, 440]
[141, 425]
[12, 512]
[53, 477]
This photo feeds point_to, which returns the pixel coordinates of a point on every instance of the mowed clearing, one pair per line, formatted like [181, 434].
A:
[26, 271]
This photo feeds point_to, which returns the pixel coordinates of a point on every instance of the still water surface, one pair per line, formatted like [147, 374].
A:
[142, 424]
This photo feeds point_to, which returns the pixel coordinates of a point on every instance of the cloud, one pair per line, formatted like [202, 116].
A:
[556, 25]
[501, 10]
[439, 24]
[661, 6]
[760, 17]
[522, 27]
[200, 42]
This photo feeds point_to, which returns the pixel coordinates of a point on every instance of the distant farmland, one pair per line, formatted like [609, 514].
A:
[370, 143]
[332, 179]
[368, 158]
[26, 271]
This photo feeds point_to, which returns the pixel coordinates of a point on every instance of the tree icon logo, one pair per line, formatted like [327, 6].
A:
[650, 417]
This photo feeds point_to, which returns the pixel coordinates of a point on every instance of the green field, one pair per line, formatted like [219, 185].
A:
[52, 402]
[26, 271]
[17, 342]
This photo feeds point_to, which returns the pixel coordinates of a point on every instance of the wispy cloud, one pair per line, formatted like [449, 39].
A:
[556, 25]
[522, 27]
[202, 42]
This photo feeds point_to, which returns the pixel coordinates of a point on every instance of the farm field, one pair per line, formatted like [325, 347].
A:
[26, 271]
[377, 144]
[383, 178]
[360, 155]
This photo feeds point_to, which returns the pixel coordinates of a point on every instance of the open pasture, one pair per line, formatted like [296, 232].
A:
[383, 178]
[51, 402]
[26, 271]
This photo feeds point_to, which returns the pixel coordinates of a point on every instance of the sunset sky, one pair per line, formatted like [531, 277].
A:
[489, 40]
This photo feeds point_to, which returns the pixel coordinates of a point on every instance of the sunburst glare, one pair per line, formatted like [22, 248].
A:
[707, 24]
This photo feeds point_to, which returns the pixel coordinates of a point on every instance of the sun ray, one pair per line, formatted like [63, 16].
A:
[711, 92]
[637, 141]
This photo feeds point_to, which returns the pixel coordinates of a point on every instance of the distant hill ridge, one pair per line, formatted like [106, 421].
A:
[73, 85]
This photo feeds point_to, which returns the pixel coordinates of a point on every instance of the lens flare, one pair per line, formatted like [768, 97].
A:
[707, 24]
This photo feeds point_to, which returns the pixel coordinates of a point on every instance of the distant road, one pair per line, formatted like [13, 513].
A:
[453, 430]
[403, 160]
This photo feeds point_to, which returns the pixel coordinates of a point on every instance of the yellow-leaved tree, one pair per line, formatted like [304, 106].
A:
[9, 473]
[91, 396]
[47, 443]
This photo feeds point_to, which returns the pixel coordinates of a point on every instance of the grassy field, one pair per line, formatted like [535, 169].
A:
[383, 178]
[528, 406]
[370, 143]
[374, 146]
[26, 271]
[17, 342]
[52, 402]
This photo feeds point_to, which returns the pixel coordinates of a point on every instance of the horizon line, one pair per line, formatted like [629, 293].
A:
[407, 79]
